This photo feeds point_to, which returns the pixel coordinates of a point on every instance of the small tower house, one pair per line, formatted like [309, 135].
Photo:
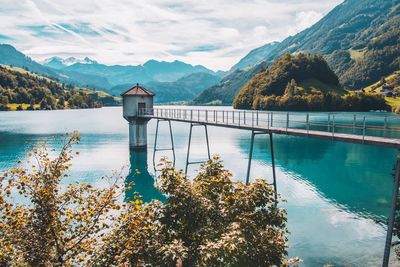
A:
[136, 102]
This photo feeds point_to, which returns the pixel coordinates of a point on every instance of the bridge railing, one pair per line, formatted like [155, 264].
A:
[359, 124]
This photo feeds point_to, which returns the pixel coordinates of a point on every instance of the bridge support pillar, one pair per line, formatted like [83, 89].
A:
[163, 149]
[190, 140]
[392, 216]
[137, 135]
[253, 134]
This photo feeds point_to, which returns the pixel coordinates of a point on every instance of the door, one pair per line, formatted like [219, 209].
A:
[142, 108]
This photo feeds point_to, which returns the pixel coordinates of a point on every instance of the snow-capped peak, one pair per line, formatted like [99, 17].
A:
[67, 61]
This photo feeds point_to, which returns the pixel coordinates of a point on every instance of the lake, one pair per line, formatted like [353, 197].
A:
[337, 194]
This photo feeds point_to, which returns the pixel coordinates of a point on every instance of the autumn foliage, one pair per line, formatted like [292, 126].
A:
[209, 221]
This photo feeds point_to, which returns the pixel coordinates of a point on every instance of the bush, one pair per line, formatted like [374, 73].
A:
[210, 221]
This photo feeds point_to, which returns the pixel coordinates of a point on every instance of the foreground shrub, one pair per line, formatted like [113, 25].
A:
[210, 221]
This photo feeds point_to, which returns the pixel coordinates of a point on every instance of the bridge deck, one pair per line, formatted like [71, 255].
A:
[310, 125]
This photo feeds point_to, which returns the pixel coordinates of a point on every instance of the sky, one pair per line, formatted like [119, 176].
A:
[212, 33]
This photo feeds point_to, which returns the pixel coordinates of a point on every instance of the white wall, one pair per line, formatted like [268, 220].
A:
[130, 104]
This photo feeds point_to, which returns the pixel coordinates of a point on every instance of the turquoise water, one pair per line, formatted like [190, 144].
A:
[337, 194]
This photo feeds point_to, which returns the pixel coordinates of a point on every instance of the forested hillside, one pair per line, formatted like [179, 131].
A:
[303, 82]
[20, 89]
[360, 40]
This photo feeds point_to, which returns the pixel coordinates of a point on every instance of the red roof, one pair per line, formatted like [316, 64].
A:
[138, 90]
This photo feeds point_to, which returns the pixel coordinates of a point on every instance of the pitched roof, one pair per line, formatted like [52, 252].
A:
[138, 90]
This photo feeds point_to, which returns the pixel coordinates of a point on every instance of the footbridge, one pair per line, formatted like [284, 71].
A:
[355, 128]
[375, 130]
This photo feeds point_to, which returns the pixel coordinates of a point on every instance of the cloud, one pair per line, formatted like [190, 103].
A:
[212, 33]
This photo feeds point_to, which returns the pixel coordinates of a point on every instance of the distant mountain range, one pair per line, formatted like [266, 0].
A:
[179, 80]
[152, 70]
[60, 63]
[11, 56]
[360, 40]
[184, 89]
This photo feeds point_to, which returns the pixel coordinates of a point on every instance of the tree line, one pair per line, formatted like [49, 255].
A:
[295, 98]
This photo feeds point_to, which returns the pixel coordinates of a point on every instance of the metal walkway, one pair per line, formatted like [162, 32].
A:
[352, 128]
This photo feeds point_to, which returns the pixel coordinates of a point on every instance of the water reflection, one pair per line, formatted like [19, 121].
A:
[355, 176]
[142, 180]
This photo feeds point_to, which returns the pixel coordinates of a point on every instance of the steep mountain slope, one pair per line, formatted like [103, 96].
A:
[358, 38]
[184, 89]
[10, 56]
[255, 56]
[225, 91]
[302, 82]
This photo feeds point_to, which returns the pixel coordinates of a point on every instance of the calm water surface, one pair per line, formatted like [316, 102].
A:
[337, 194]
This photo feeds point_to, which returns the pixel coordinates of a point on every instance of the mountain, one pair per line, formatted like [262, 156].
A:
[274, 79]
[60, 63]
[114, 75]
[359, 39]
[255, 56]
[89, 73]
[12, 57]
[302, 82]
[152, 70]
[21, 89]
[184, 89]
[225, 91]
[163, 71]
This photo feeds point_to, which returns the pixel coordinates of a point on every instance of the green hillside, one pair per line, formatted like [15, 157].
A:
[21, 89]
[388, 86]
[302, 82]
[360, 40]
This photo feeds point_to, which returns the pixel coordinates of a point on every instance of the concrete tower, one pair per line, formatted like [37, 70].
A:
[135, 101]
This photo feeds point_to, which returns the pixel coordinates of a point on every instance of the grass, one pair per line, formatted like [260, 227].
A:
[377, 88]
[23, 71]
[313, 84]
[24, 106]
[393, 102]
[357, 55]
[377, 85]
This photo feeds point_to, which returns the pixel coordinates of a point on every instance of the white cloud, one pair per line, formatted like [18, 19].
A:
[212, 33]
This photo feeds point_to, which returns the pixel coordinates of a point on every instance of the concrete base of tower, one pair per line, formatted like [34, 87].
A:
[138, 135]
